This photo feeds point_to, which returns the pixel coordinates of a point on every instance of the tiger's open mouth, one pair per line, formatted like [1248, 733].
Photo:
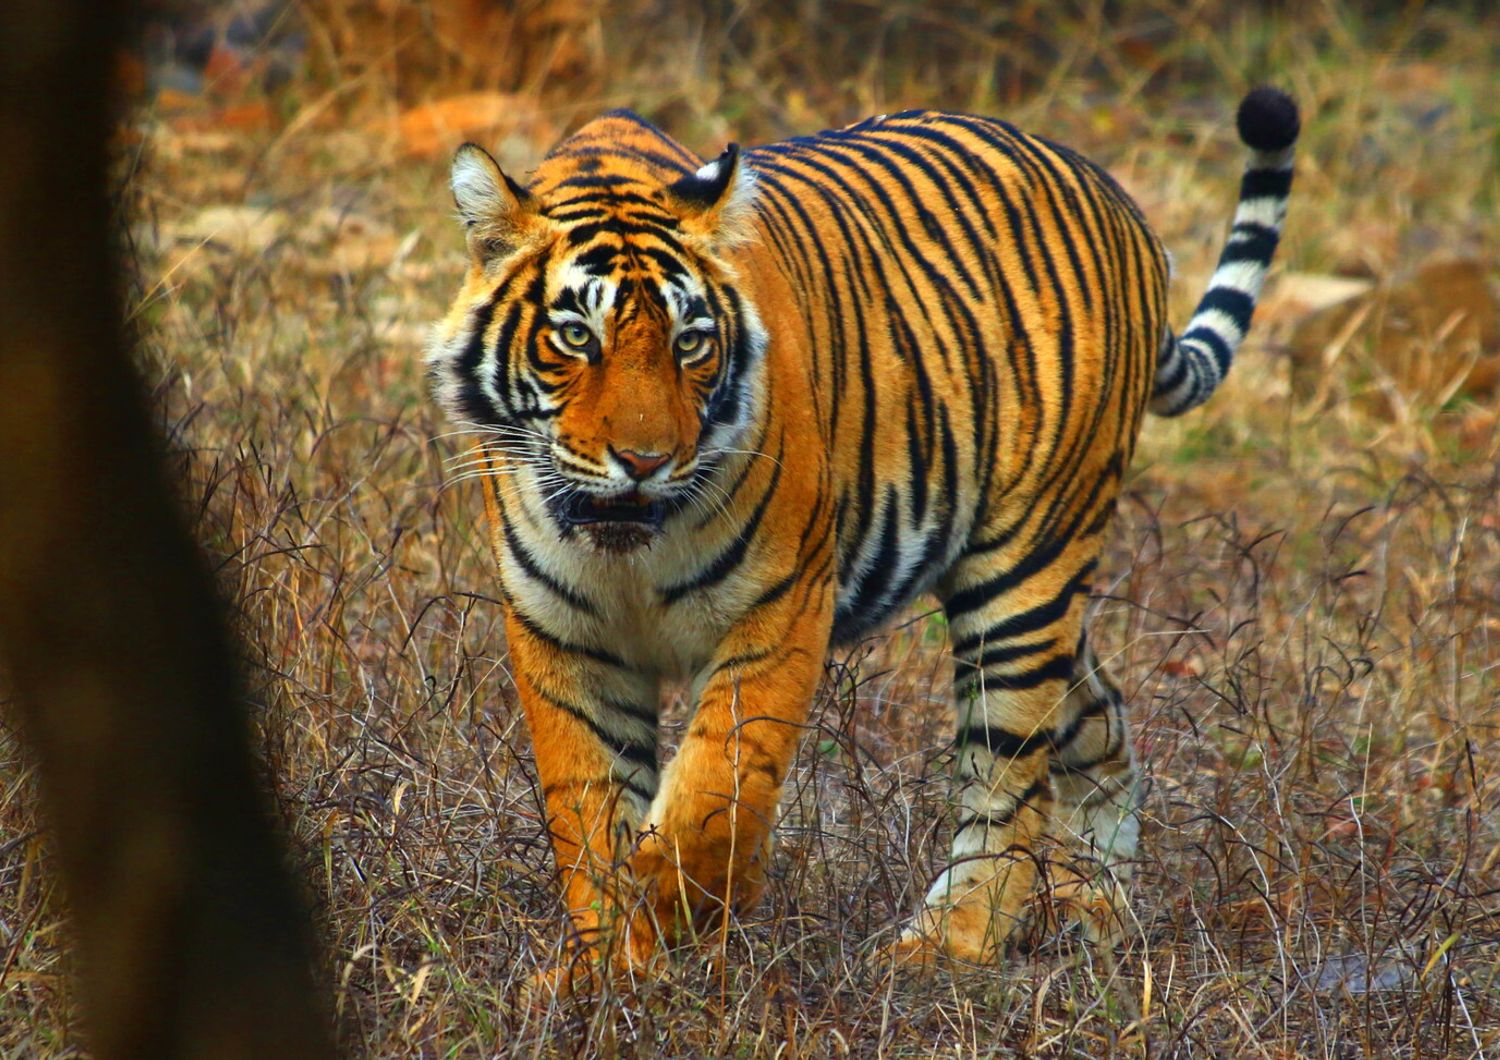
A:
[580, 509]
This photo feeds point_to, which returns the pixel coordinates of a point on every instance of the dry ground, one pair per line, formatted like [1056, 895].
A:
[1302, 596]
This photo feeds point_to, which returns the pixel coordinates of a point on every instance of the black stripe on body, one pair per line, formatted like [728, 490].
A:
[1006, 744]
[637, 752]
[533, 570]
[1003, 653]
[1033, 620]
[558, 644]
[977, 596]
[1058, 668]
[821, 543]
[1039, 787]
[957, 315]
[931, 226]
[727, 561]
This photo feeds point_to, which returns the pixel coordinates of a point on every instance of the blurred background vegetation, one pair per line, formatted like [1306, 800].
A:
[1302, 594]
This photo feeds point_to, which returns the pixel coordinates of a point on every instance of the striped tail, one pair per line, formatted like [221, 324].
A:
[1190, 367]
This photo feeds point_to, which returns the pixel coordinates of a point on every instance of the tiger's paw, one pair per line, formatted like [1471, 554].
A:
[616, 951]
[587, 973]
[1086, 897]
[688, 888]
[554, 985]
[1081, 896]
[969, 933]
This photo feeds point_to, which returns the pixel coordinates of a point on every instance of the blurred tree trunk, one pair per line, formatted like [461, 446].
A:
[191, 941]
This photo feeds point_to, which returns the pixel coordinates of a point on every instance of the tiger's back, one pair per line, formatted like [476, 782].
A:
[983, 311]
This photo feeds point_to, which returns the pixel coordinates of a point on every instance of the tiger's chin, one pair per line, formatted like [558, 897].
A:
[616, 525]
[619, 537]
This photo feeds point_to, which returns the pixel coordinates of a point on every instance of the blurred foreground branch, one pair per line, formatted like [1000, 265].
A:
[191, 940]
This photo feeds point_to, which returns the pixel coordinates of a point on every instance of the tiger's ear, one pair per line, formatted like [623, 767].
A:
[718, 201]
[496, 212]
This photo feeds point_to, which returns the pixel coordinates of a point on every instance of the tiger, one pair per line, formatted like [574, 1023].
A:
[728, 415]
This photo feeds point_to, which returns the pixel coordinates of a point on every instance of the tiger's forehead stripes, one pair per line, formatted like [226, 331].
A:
[606, 304]
[614, 257]
[621, 141]
[688, 305]
[625, 200]
[608, 192]
[585, 298]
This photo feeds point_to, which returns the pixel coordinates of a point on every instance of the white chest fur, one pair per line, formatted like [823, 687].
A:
[622, 602]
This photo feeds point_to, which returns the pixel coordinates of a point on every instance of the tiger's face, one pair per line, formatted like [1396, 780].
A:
[600, 347]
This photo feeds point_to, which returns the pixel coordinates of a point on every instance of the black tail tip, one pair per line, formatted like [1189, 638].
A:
[1268, 120]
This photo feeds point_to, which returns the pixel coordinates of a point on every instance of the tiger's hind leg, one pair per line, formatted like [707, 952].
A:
[1015, 620]
[1096, 816]
[1045, 774]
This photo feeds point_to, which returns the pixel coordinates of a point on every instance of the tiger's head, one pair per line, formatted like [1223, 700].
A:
[600, 346]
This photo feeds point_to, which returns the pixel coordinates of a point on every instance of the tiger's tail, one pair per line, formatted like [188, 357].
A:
[1191, 366]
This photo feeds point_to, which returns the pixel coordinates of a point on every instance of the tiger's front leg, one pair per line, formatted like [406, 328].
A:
[593, 723]
[705, 846]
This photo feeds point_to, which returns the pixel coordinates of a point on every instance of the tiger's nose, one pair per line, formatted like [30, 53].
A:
[639, 465]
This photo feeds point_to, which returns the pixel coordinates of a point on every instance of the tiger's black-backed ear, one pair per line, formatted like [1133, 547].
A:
[718, 201]
[496, 211]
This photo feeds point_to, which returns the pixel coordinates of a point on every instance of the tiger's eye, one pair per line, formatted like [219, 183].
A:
[690, 342]
[575, 335]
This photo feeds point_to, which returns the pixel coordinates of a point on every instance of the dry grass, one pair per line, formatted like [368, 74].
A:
[1302, 596]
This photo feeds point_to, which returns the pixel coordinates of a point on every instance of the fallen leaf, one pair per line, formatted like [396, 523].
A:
[1295, 295]
[1433, 332]
[238, 117]
[440, 126]
[246, 229]
[226, 72]
[1358, 974]
[1342, 829]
